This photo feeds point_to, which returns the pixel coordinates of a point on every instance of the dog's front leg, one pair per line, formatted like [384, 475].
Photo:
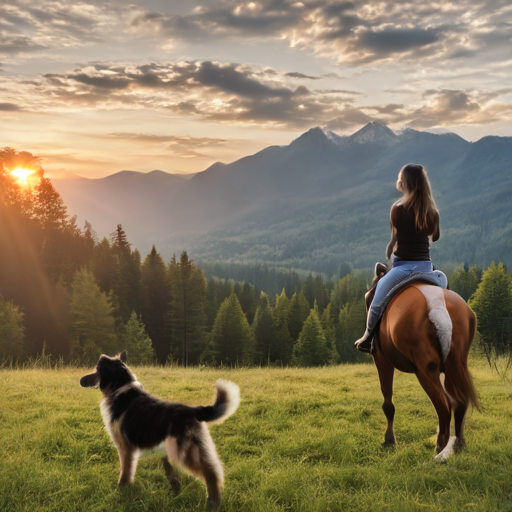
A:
[128, 457]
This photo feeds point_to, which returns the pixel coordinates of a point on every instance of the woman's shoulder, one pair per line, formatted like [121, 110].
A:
[396, 214]
[396, 210]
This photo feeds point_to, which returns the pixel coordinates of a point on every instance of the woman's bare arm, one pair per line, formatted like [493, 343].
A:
[392, 243]
[436, 234]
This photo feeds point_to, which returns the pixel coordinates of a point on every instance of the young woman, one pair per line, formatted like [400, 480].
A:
[414, 218]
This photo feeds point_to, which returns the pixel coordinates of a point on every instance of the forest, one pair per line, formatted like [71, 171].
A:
[68, 293]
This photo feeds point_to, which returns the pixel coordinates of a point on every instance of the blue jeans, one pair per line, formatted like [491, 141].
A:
[397, 274]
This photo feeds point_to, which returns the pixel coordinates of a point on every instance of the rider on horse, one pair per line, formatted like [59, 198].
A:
[414, 218]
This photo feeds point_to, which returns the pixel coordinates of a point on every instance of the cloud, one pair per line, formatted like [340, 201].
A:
[356, 33]
[376, 44]
[248, 95]
[295, 74]
[220, 20]
[179, 146]
[446, 107]
[211, 90]
[183, 146]
[390, 108]
[16, 44]
[56, 24]
[439, 107]
[9, 107]
[226, 78]
[349, 117]
[229, 79]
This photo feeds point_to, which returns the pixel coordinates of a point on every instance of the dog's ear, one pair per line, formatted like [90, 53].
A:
[90, 381]
[123, 356]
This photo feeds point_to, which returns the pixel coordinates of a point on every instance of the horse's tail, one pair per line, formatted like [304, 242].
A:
[457, 375]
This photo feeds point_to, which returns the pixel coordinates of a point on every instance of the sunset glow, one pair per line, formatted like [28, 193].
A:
[178, 86]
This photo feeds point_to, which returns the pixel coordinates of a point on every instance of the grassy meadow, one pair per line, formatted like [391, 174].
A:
[302, 440]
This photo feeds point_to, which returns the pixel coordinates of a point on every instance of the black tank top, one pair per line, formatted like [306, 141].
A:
[411, 245]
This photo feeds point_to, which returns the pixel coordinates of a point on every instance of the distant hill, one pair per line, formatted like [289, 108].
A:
[322, 200]
[62, 175]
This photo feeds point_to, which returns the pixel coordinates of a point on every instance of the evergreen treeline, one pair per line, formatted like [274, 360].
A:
[62, 287]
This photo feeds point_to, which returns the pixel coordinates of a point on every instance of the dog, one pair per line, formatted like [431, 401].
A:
[137, 421]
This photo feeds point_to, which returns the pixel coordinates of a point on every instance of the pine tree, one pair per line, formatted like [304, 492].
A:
[298, 312]
[212, 303]
[492, 303]
[126, 283]
[48, 207]
[187, 313]
[465, 281]
[321, 294]
[12, 330]
[309, 290]
[264, 332]
[119, 239]
[103, 265]
[90, 236]
[137, 343]
[347, 290]
[350, 327]
[231, 340]
[284, 342]
[155, 299]
[92, 327]
[246, 298]
[329, 328]
[311, 348]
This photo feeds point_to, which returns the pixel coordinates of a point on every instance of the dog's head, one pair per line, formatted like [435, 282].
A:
[111, 374]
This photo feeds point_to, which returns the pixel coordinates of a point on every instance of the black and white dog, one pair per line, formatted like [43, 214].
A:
[135, 421]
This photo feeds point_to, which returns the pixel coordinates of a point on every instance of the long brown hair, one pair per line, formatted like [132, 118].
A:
[418, 196]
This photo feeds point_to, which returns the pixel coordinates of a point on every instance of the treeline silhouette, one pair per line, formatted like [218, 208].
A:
[64, 289]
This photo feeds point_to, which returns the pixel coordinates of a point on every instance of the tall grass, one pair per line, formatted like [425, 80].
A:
[302, 440]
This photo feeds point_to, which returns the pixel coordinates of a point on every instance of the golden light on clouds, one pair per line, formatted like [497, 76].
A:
[252, 73]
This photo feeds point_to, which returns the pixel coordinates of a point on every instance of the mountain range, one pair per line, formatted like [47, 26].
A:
[322, 200]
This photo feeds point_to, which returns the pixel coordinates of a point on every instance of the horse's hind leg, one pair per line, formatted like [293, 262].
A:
[431, 383]
[458, 381]
[386, 373]
[459, 414]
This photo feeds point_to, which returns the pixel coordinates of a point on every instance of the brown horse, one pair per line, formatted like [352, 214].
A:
[410, 339]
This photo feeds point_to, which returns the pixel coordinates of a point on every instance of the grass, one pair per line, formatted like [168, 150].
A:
[302, 440]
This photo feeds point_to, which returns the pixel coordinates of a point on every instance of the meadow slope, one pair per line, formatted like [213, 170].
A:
[302, 440]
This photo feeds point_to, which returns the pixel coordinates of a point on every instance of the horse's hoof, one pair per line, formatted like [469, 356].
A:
[388, 444]
[460, 444]
[447, 451]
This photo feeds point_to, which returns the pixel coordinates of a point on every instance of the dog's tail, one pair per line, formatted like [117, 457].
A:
[226, 403]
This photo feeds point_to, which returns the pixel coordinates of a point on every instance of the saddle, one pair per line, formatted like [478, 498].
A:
[435, 278]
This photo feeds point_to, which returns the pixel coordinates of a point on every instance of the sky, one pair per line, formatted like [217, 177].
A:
[97, 87]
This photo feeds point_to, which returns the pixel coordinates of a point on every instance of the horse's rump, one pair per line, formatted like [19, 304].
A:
[408, 337]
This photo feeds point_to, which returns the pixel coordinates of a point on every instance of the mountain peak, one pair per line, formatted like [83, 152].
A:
[316, 134]
[374, 132]
[313, 137]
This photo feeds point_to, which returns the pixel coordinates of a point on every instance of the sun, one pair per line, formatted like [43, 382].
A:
[22, 175]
